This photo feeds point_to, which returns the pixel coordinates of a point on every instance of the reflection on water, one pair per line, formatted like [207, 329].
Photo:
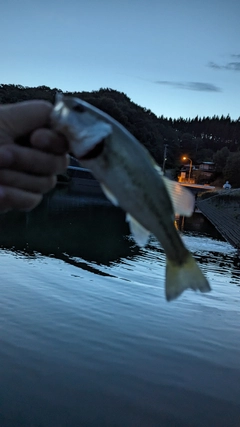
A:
[197, 222]
[67, 229]
[87, 338]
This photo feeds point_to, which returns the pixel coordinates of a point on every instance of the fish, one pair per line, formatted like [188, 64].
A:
[131, 179]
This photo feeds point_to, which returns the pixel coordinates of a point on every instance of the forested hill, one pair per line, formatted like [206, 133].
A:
[198, 138]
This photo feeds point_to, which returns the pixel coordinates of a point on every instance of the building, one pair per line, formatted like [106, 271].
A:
[200, 173]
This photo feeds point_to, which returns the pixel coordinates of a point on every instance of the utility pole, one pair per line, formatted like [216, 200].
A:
[164, 157]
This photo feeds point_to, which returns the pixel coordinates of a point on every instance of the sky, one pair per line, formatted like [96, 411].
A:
[178, 58]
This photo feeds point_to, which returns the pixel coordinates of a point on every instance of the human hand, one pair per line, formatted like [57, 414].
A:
[26, 173]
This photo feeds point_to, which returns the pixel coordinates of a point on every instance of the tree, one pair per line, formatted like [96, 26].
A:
[231, 170]
[220, 158]
[204, 155]
[197, 138]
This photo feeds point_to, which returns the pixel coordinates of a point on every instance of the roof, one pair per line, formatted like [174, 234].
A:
[207, 163]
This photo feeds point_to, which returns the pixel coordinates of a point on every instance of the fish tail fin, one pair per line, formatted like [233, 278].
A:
[184, 276]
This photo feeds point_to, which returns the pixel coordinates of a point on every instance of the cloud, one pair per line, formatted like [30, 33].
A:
[236, 55]
[235, 66]
[232, 66]
[198, 86]
[216, 66]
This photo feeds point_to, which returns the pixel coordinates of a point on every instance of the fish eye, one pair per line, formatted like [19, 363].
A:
[78, 108]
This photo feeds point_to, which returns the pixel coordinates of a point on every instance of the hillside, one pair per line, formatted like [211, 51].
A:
[199, 138]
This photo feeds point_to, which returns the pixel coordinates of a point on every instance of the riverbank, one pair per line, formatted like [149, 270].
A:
[222, 209]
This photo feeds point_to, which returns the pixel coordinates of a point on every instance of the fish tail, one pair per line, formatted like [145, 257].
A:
[184, 276]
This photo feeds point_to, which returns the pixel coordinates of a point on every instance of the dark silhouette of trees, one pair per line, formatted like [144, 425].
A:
[220, 158]
[201, 139]
[231, 170]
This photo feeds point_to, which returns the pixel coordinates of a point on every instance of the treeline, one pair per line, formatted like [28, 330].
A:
[142, 123]
[198, 138]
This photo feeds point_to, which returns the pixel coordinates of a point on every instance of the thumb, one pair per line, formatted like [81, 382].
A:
[24, 117]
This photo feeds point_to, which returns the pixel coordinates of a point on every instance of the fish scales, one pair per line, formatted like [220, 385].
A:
[148, 207]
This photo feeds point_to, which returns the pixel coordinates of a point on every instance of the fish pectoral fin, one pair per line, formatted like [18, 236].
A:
[182, 199]
[184, 276]
[158, 168]
[109, 195]
[139, 233]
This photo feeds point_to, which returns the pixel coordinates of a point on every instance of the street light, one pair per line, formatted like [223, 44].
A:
[190, 168]
[164, 157]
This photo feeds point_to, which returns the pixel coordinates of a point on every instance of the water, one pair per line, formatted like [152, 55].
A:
[87, 338]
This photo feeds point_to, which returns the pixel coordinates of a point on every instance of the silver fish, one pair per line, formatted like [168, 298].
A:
[131, 179]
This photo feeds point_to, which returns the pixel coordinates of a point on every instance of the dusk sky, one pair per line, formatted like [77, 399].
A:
[175, 57]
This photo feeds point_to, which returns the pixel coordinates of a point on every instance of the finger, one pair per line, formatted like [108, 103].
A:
[24, 117]
[31, 160]
[31, 183]
[16, 199]
[49, 141]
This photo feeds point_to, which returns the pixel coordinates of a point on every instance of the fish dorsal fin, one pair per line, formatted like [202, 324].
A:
[181, 198]
[110, 196]
[139, 233]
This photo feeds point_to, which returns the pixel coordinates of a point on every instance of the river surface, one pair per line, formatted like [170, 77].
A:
[87, 337]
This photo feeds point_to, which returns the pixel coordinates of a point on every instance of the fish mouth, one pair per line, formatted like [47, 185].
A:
[94, 152]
